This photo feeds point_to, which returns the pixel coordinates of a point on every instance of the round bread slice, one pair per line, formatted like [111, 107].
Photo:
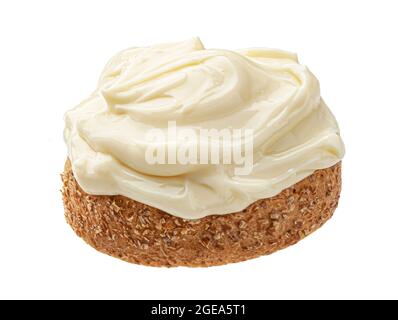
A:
[141, 234]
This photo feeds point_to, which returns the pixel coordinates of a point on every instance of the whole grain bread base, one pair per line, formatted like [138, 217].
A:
[141, 234]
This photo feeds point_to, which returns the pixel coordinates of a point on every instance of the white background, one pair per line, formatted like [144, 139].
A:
[51, 53]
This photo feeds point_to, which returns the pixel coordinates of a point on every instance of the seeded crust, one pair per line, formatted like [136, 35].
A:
[141, 234]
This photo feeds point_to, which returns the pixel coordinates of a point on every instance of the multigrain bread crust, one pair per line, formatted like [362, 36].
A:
[138, 233]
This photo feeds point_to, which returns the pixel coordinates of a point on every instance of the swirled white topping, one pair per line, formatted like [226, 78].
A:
[264, 90]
